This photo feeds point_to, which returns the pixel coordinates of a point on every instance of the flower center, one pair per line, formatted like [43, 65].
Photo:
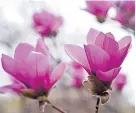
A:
[30, 93]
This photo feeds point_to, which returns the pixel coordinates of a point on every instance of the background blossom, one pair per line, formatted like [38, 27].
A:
[47, 24]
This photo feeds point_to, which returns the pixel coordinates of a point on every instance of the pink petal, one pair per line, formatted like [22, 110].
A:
[78, 54]
[22, 73]
[110, 46]
[109, 75]
[75, 65]
[57, 23]
[78, 73]
[120, 81]
[37, 17]
[22, 51]
[16, 69]
[77, 82]
[121, 78]
[39, 63]
[39, 69]
[8, 64]
[43, 30]
[110, 35]
[13, 87]
[41, 47]
[117, 59]
[97, 57]
[100, 39]
[122, 53]
[91, 36]
[15, 81]
[124, 42]
[55, 75]
[77, 77]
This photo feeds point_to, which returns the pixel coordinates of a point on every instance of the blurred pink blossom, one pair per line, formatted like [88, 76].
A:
[46, 24]
[120, 81]
[99, 8]
[77, 75]
[132, 22]
[31, 68]
[126, 13]
[102, 56]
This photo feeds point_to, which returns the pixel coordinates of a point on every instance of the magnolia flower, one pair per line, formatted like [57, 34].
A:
[125, 12]
[99, 9]
[47, 24]
[77, 75]
[31, 68]
[101, 58]
[120, 81]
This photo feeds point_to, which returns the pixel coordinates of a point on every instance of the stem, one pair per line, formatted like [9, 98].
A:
[56, 61]
[57, 109]
[97, 105]
[54, 42]
[53, 106]
[56, 47]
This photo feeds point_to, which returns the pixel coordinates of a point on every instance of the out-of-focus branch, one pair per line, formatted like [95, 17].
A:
[56, 108]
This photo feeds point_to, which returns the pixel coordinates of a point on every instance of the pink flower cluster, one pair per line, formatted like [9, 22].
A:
[126, 13]
[47, 24]
[102, 56]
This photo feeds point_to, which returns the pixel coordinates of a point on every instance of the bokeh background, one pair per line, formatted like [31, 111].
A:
[16, 26]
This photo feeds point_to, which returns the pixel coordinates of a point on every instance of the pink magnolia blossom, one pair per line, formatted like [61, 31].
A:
[125, 12]
[99, 9]
[47, 24]
[102, 56]
[31, 68]
[77, 75]
[120, 81]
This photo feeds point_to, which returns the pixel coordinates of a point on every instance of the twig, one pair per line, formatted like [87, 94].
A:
[53, 106]
[97, 105]
[56, 61]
